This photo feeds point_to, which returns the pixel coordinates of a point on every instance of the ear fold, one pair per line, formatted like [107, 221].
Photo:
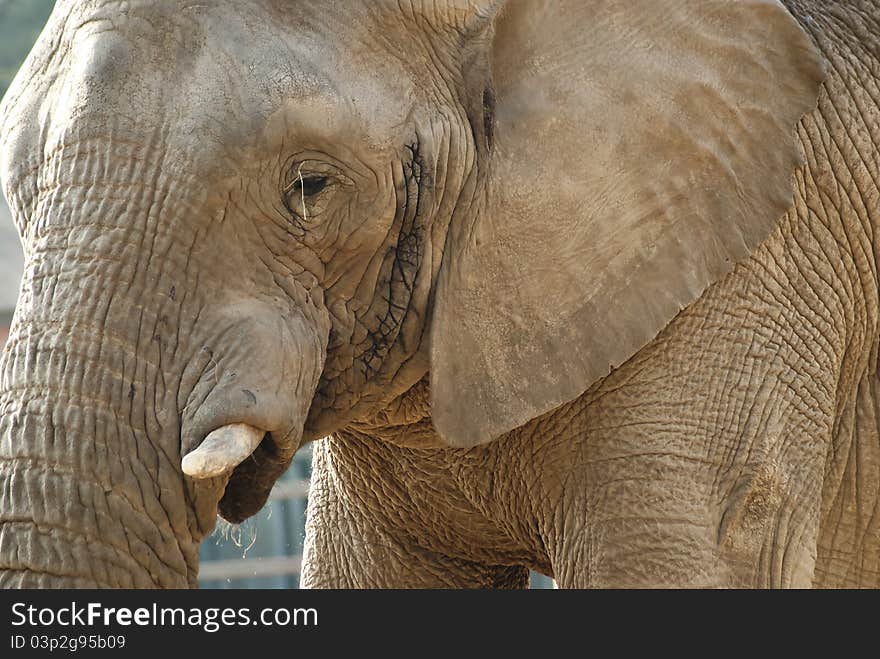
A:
[641, 149]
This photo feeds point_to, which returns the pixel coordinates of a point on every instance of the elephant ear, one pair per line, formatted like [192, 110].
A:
[640, 150]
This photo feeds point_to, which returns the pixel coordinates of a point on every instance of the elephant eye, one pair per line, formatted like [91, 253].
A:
[302, 195]
[307, 186]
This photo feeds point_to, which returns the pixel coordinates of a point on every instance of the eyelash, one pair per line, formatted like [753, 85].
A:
[301, 188]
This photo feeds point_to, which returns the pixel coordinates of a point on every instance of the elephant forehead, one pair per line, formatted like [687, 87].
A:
[231, 75]
[322, 89]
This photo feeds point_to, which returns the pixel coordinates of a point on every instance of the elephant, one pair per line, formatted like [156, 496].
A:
[586, 287]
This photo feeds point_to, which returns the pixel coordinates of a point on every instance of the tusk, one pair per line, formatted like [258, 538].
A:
[222, 451]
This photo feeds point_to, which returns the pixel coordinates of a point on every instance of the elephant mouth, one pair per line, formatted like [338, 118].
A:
[249, 458]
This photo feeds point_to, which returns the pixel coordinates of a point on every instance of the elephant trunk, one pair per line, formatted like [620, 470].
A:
[76, 513]
[91, 493]
[89, 496]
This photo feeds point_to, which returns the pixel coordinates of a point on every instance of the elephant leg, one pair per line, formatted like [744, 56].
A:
[663, 518]
[359, 534]
[849, 540]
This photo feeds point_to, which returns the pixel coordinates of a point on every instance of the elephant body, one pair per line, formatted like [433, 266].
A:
[740, 448]
[588, 288]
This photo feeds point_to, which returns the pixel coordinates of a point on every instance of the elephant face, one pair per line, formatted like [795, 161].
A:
[244, 221]
[261, 188]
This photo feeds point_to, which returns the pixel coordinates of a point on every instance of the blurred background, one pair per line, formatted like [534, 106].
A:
[265, 551]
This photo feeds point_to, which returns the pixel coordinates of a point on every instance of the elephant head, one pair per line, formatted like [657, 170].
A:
[249, 224]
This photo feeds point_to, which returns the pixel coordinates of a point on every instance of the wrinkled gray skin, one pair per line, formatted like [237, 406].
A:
[547, 312]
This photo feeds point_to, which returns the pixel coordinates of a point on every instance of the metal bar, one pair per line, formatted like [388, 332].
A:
[242, 568]
[298, 489]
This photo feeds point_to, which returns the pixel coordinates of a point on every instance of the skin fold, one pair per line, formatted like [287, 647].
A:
[541, 301]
